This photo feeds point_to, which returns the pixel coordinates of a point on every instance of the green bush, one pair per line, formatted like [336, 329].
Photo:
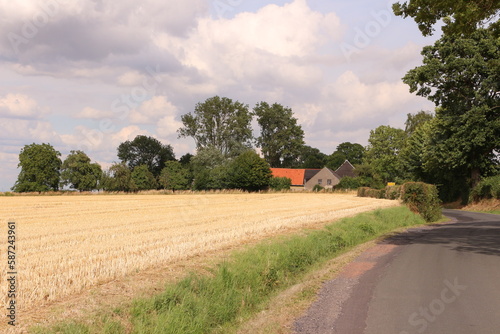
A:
[317, 188]
[348, 182]
[280, 183]
[363, 191]
[393, 192]
[422, 198]
[488, 188]
[375, 193]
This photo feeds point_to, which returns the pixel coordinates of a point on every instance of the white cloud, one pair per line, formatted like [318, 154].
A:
[20, 106]
[356, 100]
[92, 113]
[27, 131]
[151, 111]
[264, 46]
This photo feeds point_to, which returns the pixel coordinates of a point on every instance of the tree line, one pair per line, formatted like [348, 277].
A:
[454, 146]
[225, 158]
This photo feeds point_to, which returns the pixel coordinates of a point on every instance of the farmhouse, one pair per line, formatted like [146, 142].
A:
[308, 178]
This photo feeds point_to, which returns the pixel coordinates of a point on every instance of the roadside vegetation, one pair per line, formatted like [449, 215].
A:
[242, 285]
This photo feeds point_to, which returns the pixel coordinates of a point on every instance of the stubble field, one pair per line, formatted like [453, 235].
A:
[68, 244]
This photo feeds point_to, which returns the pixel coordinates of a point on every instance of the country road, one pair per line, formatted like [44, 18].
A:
[436, 280]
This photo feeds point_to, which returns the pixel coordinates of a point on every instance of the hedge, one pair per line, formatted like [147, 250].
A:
[420, 197]
[280, 183]
[486, 189]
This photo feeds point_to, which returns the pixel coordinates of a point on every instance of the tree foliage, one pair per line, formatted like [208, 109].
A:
[311, 157]
[281, 138]
[143, 179]
[40, 168]
[118, 178]
[385, 143]
[461, 75]
[174, 176]
[210, 169]
[219, 123]
[414, 121]
[461, 17]
[249, 172]
[346, 151]
[280, 183]
[79, 173]
[144, 150]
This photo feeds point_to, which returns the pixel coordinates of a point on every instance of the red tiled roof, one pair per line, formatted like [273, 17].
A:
[296, 175]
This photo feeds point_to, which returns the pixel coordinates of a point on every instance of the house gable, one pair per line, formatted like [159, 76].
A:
[346, 169]
[325, 178]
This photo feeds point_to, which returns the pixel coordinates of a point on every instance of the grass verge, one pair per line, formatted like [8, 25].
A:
[243, 285]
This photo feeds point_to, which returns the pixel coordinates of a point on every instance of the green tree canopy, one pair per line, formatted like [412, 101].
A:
[412, 155]
[414, 121]
[460, 16]
[281, 139]
[210, 169]
[40, 168]
[118, 178]
[385, 144]
[311, 157]
[219, 123]
[174, 176]
[249, 172]
[79, 173]
[144, 150]
[143, 179]
[461, 75]
[346, 151]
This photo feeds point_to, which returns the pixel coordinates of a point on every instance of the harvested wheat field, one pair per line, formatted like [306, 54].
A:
[68, 244]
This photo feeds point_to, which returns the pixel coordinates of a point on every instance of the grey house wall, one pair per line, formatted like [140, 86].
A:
[328, 179]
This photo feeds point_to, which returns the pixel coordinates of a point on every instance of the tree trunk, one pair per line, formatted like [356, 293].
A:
[475, 176]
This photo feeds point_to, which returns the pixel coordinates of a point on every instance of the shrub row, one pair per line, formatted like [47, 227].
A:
[370, 192]
[423, 199]
[420, 197]
[486, 189]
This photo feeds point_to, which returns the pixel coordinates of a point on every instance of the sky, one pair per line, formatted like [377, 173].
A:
[88, 75]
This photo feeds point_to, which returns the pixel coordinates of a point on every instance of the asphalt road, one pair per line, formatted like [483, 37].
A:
[438, 280]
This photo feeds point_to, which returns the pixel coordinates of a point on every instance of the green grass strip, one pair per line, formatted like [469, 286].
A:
[244, 284]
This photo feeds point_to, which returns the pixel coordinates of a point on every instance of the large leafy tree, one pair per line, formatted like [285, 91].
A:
[346, 151]
[210, 169]
[461, 17]
[219, 123]
[311, 157]
[385, 144]
[282, 138]
[175, 176]
[419, 132]
[144, 150]
[249, 172]
[118, 178]
[143, 179]
[461, 75]
[40, 168]
[79, 173]
[414, 121]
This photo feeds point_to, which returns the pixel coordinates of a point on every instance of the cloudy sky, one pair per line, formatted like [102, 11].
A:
[91, 74]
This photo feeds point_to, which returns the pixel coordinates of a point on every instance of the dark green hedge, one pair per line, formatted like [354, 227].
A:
[420, 197]
[486, 189]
